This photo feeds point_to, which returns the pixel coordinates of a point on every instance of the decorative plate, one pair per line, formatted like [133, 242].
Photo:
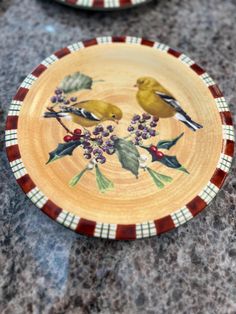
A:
[119, 137]
[102, 4]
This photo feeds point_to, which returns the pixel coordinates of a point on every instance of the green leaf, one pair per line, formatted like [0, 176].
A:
[76, 82]
[128, 155]
[77, 177]
[103, 183]
[163, 177]
[155, 177]
[165, 144]
[183, 169]
[63, 149]
[171, 162]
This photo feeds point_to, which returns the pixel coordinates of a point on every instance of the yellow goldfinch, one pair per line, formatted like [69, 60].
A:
[159, 102]
[88, 113]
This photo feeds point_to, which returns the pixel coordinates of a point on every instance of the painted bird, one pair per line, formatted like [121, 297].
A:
[159, 102]
[88, 113]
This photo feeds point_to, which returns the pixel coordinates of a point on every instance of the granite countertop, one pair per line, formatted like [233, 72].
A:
[45, 268]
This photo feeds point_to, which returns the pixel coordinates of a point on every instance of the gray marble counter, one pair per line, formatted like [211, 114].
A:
[45, 268]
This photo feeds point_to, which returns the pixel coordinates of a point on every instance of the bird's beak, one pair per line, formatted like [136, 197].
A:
[116, 121]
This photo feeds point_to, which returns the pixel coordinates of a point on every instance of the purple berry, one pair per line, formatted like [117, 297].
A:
[101, 159]
[105, 133]
[95, 132]
[110, 128]
[86, 144]
[152, 132]
[155, 119]
[146, 116]
[113, 137]
[99, 141]
[153, 124]
[87, 156]
[144, 135]
[58, 91]
[140, 127]
[136, 117]
[110, 151]
[73, 99]
[66, 102]
[60, 99]
[130, 128]
[97, 151]
[99, 128]
[87, 135]
[109, 143]
[88, 150]
[54, 99]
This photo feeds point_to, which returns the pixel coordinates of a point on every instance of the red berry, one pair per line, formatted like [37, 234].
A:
[68, 138]
[75, 137]
[159, 154]
[153, 148]
[77, 131]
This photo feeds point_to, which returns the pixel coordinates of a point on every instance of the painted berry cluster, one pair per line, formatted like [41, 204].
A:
[100, 142]
[96, 144]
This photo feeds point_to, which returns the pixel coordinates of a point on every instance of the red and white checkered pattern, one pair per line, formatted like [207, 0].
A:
[119, 231]
[224, 162]
[14, 108]
[146, 229]
[10, 137]
[207, 79]
[76, 46]
[185, 59]
[209, 192]
[222, 104]
[68, 220]
[49, 60]
[107, 231]
[18, 168]
[37, 197]
[228, 132]
[28, 81]
[102, 4]
[181, 216]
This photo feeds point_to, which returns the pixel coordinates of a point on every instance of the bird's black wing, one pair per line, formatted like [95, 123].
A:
[181, 114]
[171, 101]
[81, 113]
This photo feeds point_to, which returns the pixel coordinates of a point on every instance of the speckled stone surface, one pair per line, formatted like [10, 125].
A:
[45, 268]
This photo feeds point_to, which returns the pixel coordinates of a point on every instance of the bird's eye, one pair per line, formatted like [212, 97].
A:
[113, 116]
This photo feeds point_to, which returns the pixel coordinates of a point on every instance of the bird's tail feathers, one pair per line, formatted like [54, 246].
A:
[188, 121]
[49, 114]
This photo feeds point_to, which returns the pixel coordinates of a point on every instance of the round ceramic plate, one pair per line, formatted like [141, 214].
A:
[102, 4]
[119, 137]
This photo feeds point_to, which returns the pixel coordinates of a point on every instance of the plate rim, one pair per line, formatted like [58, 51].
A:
[107, 230]
[101, 5]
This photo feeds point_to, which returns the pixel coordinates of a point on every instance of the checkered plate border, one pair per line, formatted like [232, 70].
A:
[102, 5]
[118, 231]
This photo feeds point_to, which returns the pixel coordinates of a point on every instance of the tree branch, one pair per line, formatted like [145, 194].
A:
[59, 120]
